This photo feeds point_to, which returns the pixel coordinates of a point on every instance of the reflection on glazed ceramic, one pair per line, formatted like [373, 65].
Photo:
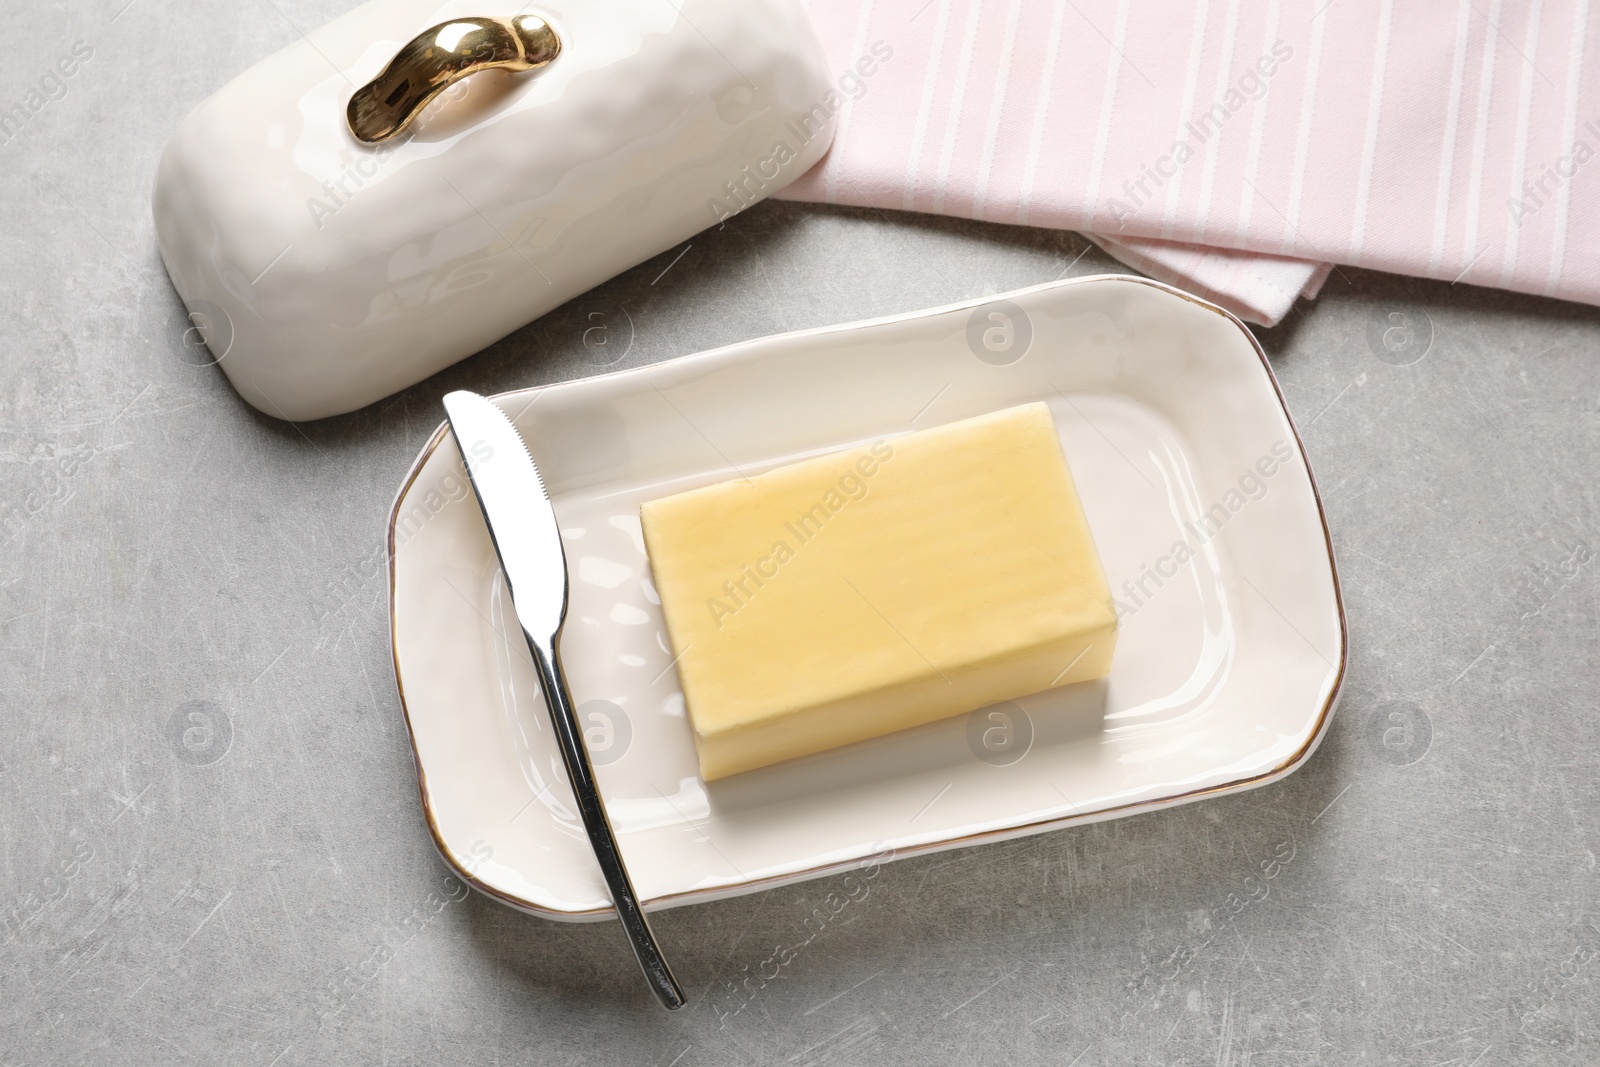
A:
[352, 270]
[527, 723]
[1200, 577]
[1224, 677]
[614, 615]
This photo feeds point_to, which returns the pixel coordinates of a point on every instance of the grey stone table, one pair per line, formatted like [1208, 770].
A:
[247, 879]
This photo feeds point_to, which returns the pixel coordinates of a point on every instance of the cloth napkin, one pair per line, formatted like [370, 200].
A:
[1255, 287]
[1232, 148]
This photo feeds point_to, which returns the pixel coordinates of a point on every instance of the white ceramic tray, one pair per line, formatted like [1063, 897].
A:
[1227, 669]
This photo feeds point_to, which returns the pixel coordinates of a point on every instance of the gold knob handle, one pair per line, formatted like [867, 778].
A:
[440, 56]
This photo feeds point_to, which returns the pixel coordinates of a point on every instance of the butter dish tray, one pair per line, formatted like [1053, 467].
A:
[1232, 644]
[511, 155]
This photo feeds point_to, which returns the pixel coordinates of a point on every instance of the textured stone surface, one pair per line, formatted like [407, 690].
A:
[211, 848]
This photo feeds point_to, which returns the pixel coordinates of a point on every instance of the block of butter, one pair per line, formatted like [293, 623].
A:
[851, 595]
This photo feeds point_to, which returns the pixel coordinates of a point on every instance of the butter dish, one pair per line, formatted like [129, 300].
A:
[325, 271]
[1231, 640]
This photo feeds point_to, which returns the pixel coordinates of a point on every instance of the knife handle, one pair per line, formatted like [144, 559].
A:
[569, 738]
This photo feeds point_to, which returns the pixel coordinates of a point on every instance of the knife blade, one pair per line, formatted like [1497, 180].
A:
[522, 525]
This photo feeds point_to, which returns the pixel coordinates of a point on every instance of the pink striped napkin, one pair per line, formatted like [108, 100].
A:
[1236, 147]
[1255, 287]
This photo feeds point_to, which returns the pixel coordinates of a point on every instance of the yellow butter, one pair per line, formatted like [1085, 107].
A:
[859, 593]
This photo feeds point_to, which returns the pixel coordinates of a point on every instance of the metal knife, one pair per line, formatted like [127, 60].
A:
[522, 525]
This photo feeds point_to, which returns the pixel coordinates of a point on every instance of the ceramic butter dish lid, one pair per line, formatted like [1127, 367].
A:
[415, 180]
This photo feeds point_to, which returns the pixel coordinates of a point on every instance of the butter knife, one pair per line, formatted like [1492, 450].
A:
[522, 525]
